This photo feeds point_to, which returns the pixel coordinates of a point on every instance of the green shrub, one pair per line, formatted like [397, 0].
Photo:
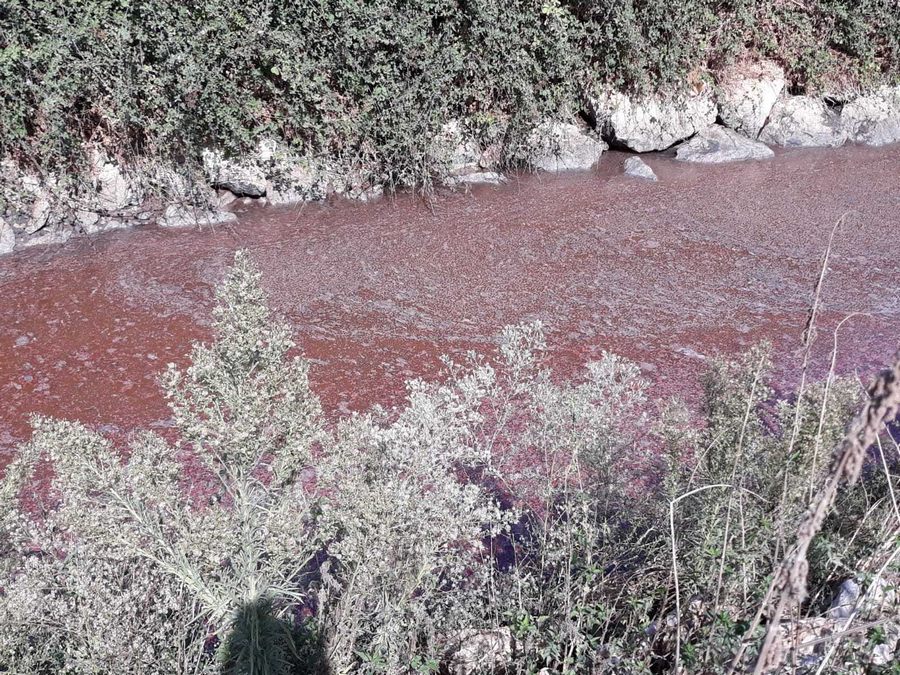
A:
[370, 82]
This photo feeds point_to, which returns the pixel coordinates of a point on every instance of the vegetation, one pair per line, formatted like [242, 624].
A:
[370, 82]
[371, 545]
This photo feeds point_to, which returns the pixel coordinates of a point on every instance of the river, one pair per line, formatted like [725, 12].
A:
[707, 261]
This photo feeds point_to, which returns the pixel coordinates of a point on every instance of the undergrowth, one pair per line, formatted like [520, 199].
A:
[497, 499]
[372, 82]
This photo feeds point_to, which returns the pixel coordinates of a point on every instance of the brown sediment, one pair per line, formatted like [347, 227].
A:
[708, 261]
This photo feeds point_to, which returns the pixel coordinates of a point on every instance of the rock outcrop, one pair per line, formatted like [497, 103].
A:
[655, 123]
[561, 146]
[637, 168]
[873, 119]
[746, 94]
[717, 145]
[803, 122]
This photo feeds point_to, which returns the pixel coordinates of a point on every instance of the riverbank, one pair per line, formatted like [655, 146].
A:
[744, 112]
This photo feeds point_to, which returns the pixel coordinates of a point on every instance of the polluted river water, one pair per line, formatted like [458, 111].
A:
[708, 261]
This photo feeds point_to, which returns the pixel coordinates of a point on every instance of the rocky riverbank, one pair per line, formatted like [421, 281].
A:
[737, 117]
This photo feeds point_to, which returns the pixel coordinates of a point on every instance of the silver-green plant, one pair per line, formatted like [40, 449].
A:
[244, 410]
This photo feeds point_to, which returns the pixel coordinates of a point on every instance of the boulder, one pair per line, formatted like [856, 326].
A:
[560, 146]
[803, 122]
[716, 145]
[873, 119]
[183, 215]
[244, 178]
[654, 123]
[7, 237]
[746, 94]
[886, 653]
[479, 651]
[636, 167]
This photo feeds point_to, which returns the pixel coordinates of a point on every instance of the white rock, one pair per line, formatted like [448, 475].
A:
[114, 190]
[716, 145]
[654, 123]
[636, 167]
[560, 146]
[7, 237]
[803, 121]
[179, 215]
[873, 119]
[746, 95]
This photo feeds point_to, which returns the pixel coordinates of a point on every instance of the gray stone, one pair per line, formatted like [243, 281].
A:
[654, 123]
[180, 215]
[873, 119]
[477, 178]
[106, 224]
[746, 94]
[243, 178]
[636, 167]
[560, 146]
[46, 237]
[845, 601]
[456, 152]
[7, 237]
[224, 198]
[716, 145]
[87, 220]
[41, 210]
[803, 122]
[479, 651]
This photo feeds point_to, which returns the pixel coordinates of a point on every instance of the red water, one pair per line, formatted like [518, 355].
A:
[708, 261]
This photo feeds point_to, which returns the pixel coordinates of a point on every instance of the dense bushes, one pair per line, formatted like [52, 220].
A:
[370, 82]
[498, 498]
